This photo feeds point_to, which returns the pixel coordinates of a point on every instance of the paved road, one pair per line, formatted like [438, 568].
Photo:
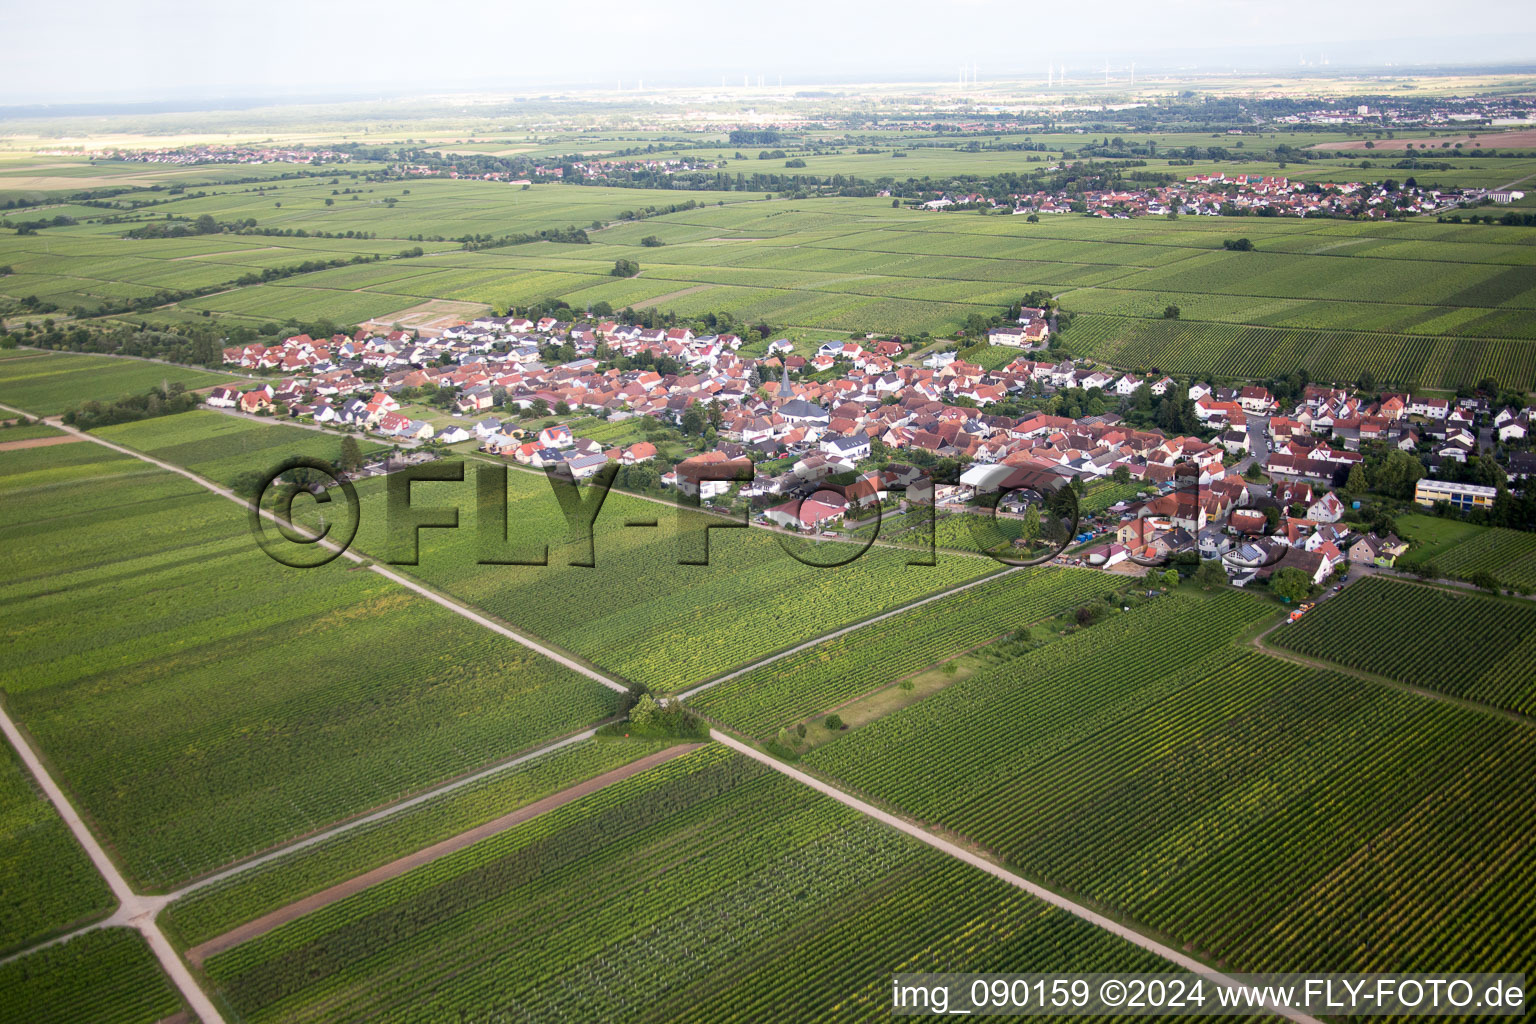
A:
[133, 910]
[1168, 953]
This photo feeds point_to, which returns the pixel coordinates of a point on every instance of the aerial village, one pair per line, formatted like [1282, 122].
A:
[1217, 194]
[856, 424]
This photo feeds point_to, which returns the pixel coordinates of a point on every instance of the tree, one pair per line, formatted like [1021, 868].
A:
[1291, 583]
[1210, 574]
[1271, 518]
[1170, 312]
[1485, 580]
[1170, 578]
[833, 722]
[651, 242]
[1397, 474]
[351, 455]
[1122, 474]
[693, 421]
[625, 268]
[1366, 381]
[1357, 483]
[645, 713]
[249, 483]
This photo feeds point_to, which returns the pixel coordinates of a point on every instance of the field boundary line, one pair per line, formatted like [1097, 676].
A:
[770, 659]
[272, 920]
[421, 589]
[316, 838]
[1055, 899]
[1324, 665]
[133, 910]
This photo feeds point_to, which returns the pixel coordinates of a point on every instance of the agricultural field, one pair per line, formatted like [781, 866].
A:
[1418, 304]
[840, 669]
[13, 431]
[91, 265]
[1429, 536]
[1468, 645]
[135, 596]
[350, 796]
[108, 975]
[48, 881]
[1459, 550]
[1177, 634]
[1261, 353]
[211, 911]
[220, 447]
[664, 869]
[747, 591]
[1251, 810]
[638, 611]
[50, 383]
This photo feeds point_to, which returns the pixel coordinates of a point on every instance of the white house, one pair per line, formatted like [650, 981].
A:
[810, 513]
[1327, 509]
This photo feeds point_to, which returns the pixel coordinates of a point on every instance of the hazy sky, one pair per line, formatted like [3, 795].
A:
[105, 50]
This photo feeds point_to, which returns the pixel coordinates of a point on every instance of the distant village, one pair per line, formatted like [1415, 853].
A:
[191, 155]
[814, 423]
[1220, 194]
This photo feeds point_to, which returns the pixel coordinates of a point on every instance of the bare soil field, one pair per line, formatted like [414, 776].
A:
[36, 442]
[436, 313]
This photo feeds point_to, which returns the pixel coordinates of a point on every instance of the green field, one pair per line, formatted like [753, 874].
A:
[212, 911]
[1459, 550]
[48, 881]
[1258, 813]
[202, 702]
[49, 383]
[838, 670]
[733, 886]
[1465, 644]
[1431, 535]
[28, 432]
[1418, 304]
[638, 612]
[222, 447]
[106, 977]
[91, 263]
